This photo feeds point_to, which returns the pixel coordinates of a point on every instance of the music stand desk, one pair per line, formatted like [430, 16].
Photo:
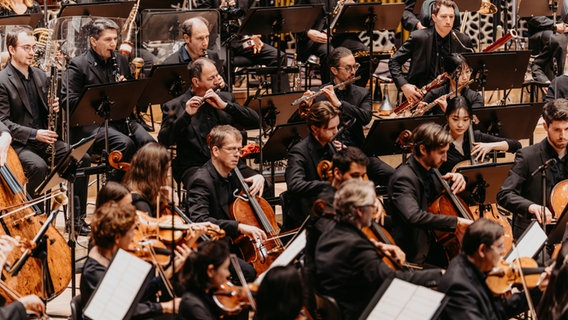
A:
[118, 9]
[512, 121]
[494, 174]
[21, 20]
[162, 79]
[280, 103]
[293, 19]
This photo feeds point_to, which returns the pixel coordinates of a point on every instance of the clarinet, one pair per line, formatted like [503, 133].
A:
[116, 75]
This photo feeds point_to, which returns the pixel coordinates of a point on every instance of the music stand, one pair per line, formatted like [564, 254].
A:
[382, 138]
[167, 81]
[120, 9]
[512, 121]
[463, 5]
[485, 177]
[557, 232]
[276, 109]
[534, 8]
[21, 20]
[356, 17]
[498, 70]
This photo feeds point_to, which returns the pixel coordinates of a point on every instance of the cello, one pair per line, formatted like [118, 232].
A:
[256, 211]
[46, 277]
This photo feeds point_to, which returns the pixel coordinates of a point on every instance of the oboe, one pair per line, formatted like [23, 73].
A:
[115, 68]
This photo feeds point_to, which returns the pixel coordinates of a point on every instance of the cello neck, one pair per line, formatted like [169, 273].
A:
[471, 141]
[255, 206]
[453, 198]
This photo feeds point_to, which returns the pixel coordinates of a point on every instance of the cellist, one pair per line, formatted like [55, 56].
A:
[413, 187]
[211, 189]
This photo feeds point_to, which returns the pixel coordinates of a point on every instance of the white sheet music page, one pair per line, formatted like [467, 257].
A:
[404, 300]
[117, 291]
[530, 242]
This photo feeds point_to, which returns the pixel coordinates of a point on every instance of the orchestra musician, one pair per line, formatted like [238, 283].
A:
[5, 141]
[548, 44]
[521, 193]
[196, 38]
[24, 110]
[349, 267]
[260, 53]
[203, 272]
[302, 180]
[187, 119]
[558, 88]
[19, 7]
[113, 191]
[554, 302]
[457, 68]
[211, 190]
[102, 65]
[17, 310]
[279, 295]
[355, 105]
[483, 246]
[427, 49]
[459, 116]
[413, 187]
[113, 228]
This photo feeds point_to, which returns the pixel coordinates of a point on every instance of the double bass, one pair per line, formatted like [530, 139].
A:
[47, 277]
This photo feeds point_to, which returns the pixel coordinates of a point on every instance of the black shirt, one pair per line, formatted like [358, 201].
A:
[39, 114]
[427, 177]
[440, 50]
[559, 170]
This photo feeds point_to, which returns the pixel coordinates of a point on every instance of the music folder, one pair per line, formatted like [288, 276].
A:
[120, 289]
[529, 243]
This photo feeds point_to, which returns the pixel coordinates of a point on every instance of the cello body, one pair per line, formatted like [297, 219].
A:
[26, 224]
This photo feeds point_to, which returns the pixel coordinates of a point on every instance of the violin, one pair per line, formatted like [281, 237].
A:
[504, 276]
[232, 299]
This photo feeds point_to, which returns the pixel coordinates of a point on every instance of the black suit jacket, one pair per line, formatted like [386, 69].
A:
[189, 133]
[177, 57]
[13, 311]
[302, 180]
[558, 88]
[349, 269]
[411, 220]
[203, 199]
[470, 297]
[418, 48]
[15, 109]
[520, 189]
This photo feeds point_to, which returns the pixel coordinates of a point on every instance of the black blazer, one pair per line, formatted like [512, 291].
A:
[470, 297]
[189, 133]
[520, 189]
[411, 220]
[418, 48]
[302, 180]
[558, 88]
[13, 311]
[177, 57]
[203, 200]
[15, 109]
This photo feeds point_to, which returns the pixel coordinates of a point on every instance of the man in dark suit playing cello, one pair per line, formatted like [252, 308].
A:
[521, 193]
[211, 188]
[413, 187]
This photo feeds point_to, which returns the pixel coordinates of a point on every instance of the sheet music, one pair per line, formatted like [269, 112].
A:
[530, 242]
[404, 300]
[117, 291]
[284, 259]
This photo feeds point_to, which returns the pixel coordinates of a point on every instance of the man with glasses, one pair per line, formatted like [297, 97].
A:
[24, 110]
[413, 187]
[188, 119]
[464, 282]
[214, 186]
[427, 49]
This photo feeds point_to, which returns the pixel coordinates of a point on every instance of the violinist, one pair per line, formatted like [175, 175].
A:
[459, 117]
[113, 229]
[554, 302]
[279, 295]
[522, 193]
[413, 187]
[349, 267]
[203, 272]
[464, 282]
[212, 188]
[24, 110]
[17, 309]
[5, 141]
[113, 191]
[459, 73]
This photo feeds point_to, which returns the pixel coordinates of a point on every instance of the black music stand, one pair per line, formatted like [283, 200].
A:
[166, 24]
[498, 70]
[282, 139]
[382, 139]
[484, 181]
[275, 21]
[463, 5]
[534, 8]
[21, 20]
[557, 232]
[356, 17]
[276, 109]
[120, 9]
[512, 121]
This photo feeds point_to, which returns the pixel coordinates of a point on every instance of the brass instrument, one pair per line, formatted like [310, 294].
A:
[42, 36]
[407, 106]
[129, 27]
[137, 64]
[487, 7]
[421, 111]
[311, 96]
[512, 34]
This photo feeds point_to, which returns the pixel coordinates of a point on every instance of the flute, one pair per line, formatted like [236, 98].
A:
[311, 96]
[216, 88]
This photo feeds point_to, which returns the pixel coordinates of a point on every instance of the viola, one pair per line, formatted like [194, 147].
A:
[504, 276]
[256, 211]
[24, 221]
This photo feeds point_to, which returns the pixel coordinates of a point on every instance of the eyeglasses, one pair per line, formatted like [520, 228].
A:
[29, 48]
[349, 69]
[233, 150]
